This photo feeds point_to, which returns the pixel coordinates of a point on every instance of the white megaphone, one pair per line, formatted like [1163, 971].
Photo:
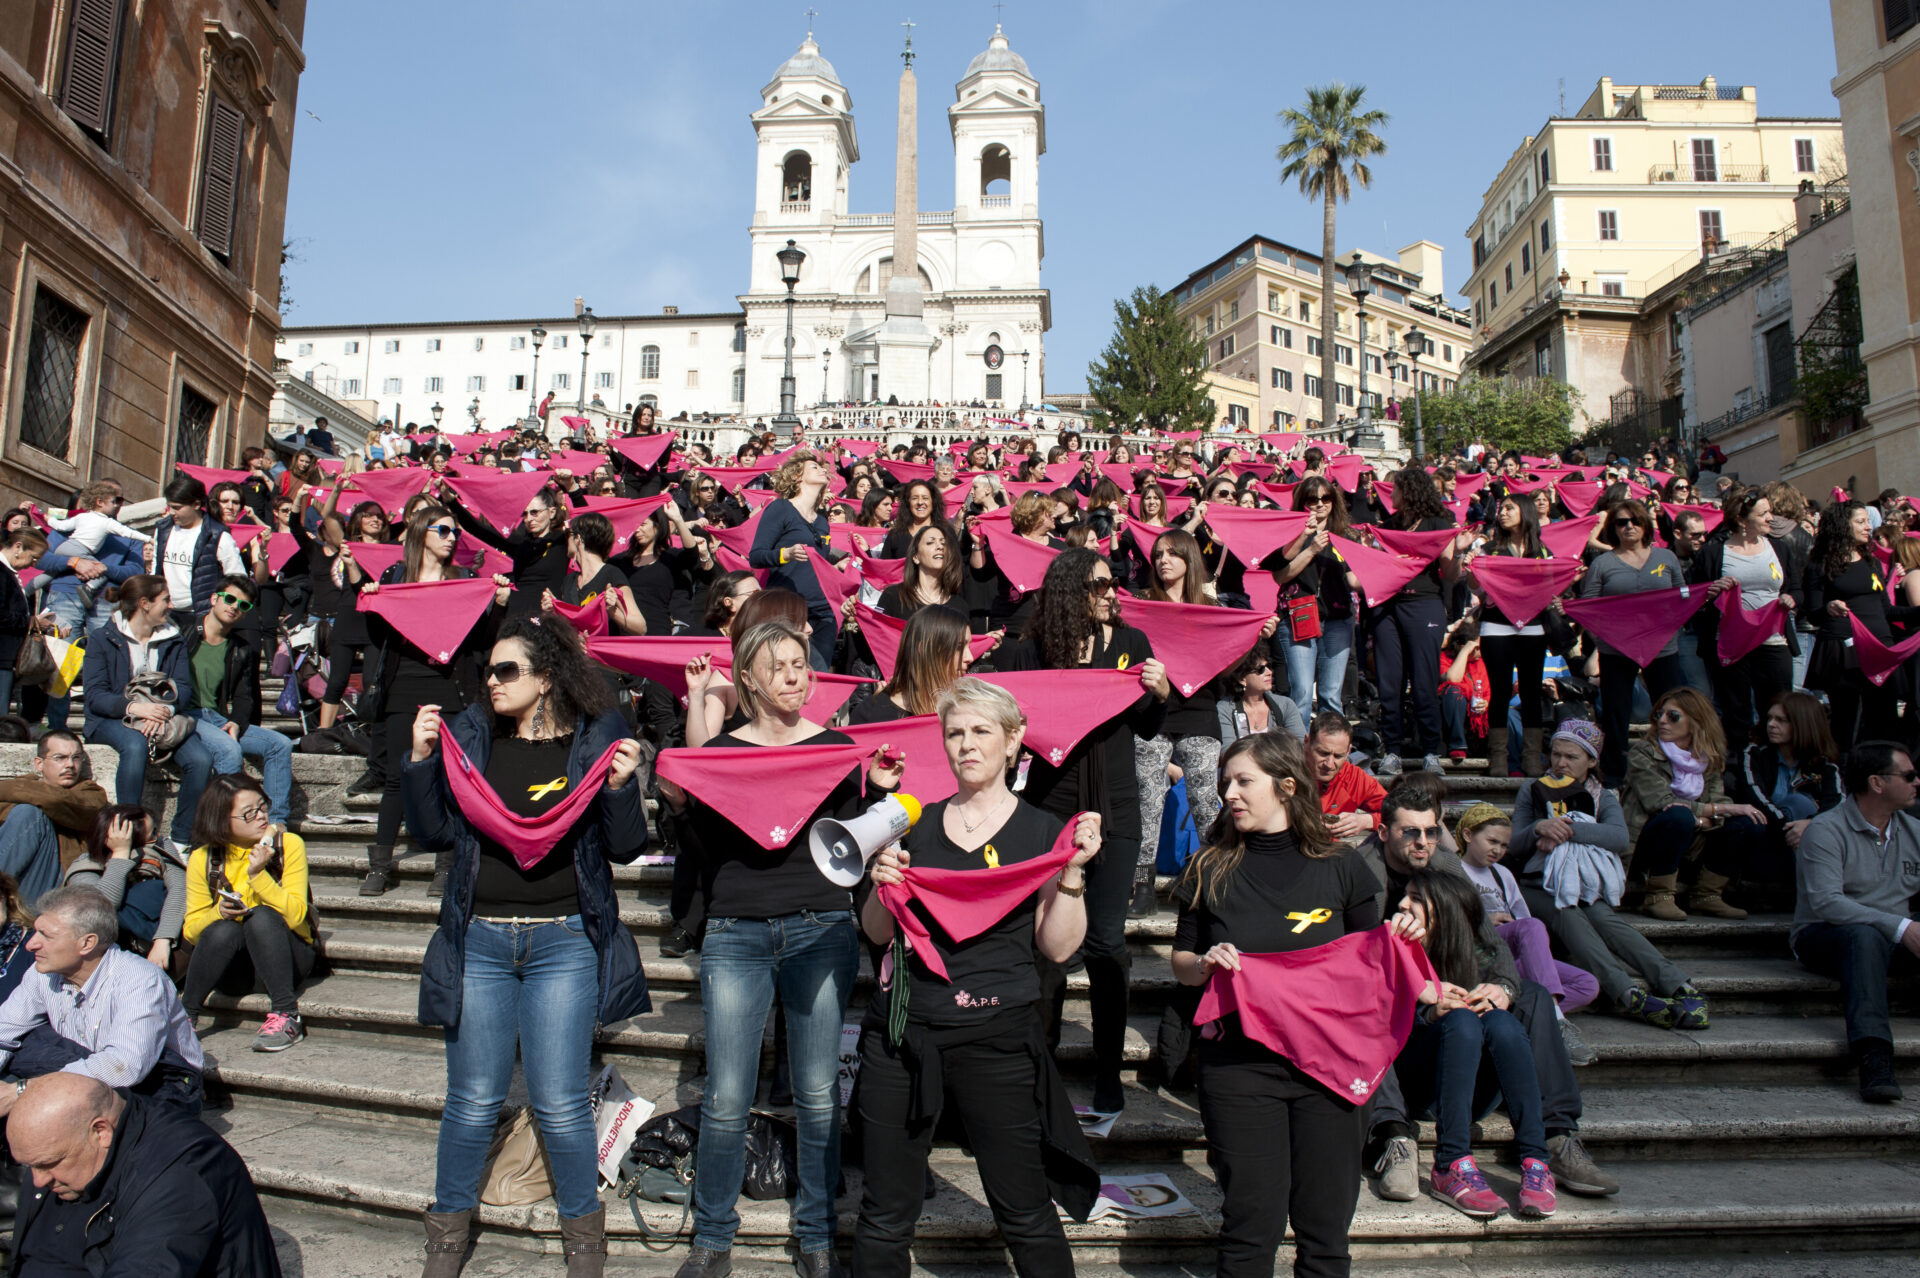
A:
[842, 848]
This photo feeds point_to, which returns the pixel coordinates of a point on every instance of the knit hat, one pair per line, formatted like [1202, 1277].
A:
[1581, 733]
[1476, 816]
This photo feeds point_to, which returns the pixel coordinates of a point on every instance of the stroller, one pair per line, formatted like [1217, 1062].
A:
[301, 659]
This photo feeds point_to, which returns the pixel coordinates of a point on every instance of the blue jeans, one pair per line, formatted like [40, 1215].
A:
[1316, 668]
[1443, 1068]
[273, 750]
[193, 759]
[1693, 667]
[537, 986]
[1859, 956]
[808, 961]
[30, 851]
[1454, 707]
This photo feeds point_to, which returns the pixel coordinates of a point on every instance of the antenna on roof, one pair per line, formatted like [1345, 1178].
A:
[1563, 95]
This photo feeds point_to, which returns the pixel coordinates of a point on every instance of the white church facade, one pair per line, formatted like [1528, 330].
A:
[979, 312]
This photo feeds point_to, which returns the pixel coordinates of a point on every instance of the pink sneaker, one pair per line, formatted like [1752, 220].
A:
[1464, 1187]
[1536, 1190]
[279, 1032]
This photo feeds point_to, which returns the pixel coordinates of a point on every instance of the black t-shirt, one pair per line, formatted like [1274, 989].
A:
[878, 708]
[530, 777]
[652, 586]
[995, 970]
[1427, 584]
[1863, 585]
[744, 880]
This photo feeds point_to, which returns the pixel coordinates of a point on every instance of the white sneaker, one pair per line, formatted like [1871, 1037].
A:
[1435, 764]
[1387, 765]
[1397, 1173]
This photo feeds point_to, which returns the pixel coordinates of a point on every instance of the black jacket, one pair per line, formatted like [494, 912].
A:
[1758, 767]
[614, 828]
[1709, 565]
[16, 616]
[238, 696]
[176, 1203]
[108, 669]
[386, 645]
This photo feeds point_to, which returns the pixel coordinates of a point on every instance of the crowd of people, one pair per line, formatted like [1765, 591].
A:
[1049, 646]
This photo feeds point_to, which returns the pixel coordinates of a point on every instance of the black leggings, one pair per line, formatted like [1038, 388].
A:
[398, 730]
[1283, 1148]
[342, 657]
[992, 1091]
[1505, 656]
[1746, 688]
[233, 957]
[1617, 673]
[1109, 962]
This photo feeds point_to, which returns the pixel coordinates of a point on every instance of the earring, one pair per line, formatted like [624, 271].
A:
[540, 717]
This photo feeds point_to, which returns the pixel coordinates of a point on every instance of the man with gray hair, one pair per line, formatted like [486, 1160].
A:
[124, 1186]
[90, 1007]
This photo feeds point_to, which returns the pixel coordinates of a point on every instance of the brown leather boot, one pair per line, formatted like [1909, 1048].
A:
[1706, 898]
[1533, 756]
[1659, 902]
[446, 1243]
[1497, 750]
[584, 1242]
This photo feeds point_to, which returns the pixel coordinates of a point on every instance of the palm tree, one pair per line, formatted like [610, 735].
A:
[1330, 144]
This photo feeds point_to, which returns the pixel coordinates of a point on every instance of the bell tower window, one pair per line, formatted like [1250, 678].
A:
[796, 182]
[996, 177]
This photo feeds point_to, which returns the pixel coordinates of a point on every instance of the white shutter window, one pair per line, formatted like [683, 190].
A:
[93, 59]
[220, 176]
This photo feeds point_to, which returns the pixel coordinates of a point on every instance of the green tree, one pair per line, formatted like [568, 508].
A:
[1326, 152]
[1534, 416]
[1152, 374]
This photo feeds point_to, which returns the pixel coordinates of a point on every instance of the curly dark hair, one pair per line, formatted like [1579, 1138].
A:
[1833, 546]
[1415, 498]
[1062, 618]
[582, 687]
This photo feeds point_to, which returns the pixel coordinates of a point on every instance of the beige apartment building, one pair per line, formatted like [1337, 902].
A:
[1877, 49]
[1258, 306]
[1589, 241]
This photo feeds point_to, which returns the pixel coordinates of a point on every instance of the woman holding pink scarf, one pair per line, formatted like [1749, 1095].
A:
[535, 793]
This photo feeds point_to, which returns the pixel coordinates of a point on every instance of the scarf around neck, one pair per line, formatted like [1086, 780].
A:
[1689, 771]
[527, 839]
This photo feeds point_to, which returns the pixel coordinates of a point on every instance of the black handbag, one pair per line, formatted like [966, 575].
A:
[659, 1165]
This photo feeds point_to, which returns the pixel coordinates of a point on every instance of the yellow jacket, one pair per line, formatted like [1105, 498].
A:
[288, 896]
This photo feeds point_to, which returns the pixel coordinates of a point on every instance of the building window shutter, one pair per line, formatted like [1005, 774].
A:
[1900, 15]
[93, 56]
[220, 179]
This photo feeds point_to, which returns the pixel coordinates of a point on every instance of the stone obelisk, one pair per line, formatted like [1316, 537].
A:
[905, 341]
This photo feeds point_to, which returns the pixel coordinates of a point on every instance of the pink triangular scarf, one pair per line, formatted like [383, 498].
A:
[868, 447]
[1023, 563]
[434, 616]
[735, 782]
[1121, 473]
[1063, 706]
[845, 539]
[477, 440]
[905, 472]
[375, 557]
[1521, 487]
[1346, 471]
[626, 515]
[966, 903]
[528, 839]
[1195, 641]
[575, 461]
[1580, 496]
[211, 475]
[734, 478]
[838, 582]
[757, 498]
[644, 451]
[1468, 485]
[1879, 659]
[590, 618]
[1568, 537]
[1301, 1004]
[731, 562]
[1176, 506]
[1282, 441]
[1280, 495]
[1380, 573]
[1424, 546]
[500, 500]
[1522, 588]
[1383, 498]
[391, 488]
[881, 573]
[664, 660]
[1741, 630]
[928, 777]
[246, 533]
[1144, 535]
[883, 639]
[739, 538]
[1712, 514]
[281, 547]
[1252, 535]
[1639, 625]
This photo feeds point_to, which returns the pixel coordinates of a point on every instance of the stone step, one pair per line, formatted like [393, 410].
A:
[311, 1154]
[360, 1070]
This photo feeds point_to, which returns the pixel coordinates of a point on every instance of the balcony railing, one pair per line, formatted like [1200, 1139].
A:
[996, 201]
[1688, 172]
[796, 206]
[942, 218]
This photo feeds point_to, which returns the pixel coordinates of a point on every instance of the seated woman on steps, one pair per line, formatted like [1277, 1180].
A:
[247, 908]
[1570, 840]
[140, 875]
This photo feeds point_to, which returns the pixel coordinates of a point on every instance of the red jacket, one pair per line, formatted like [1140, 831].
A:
[1352, 790]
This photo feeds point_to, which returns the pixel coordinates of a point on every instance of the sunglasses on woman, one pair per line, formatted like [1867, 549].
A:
[1670, 715]
[233, 601]
[1099, 585]
[443, 530]
[505, 671]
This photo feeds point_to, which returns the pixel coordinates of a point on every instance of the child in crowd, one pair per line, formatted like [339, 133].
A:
[87, 532]
[1465, 693]
[1484, 832]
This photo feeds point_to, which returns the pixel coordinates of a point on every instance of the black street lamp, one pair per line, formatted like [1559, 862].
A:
[1416, 347]
[826, 374]
[1360, 284]
[436, 410]
[587, 323]
[533, 387]
[790, 259]
[1025, 357]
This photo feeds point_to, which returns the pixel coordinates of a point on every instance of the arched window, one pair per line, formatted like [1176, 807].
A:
[649, 363]
[796, 178]
[996, 171]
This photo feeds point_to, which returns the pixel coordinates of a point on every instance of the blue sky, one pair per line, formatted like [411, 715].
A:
[486, 159]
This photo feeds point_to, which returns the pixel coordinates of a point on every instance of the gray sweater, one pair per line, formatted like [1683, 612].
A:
[1846, 875]
[1609, 829]
[1611, 575]
[112, 882]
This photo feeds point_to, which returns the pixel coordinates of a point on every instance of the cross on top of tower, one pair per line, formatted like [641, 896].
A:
[998, 6]
[811, 15]
[907, 55]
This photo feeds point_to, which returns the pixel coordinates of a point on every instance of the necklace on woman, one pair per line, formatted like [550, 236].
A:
[970, 827]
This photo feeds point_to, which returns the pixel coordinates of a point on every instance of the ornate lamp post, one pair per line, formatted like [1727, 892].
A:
[790, 259]
[587, 323]
[1416, 347]
[533, 386]
[1026, 357]
[826, 375]
[1360, 284]
[436, 410]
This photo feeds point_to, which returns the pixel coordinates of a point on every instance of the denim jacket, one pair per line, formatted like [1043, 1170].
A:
[614, 827]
